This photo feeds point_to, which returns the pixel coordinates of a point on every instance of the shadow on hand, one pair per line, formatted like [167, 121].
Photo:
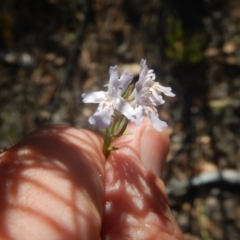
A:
[136, 202]
[52, 179]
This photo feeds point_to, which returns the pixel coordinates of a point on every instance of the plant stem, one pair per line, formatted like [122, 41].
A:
[115, 130]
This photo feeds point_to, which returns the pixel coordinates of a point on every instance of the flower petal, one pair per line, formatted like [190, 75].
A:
[102, 117]
[143, 75]
[125, 108]
[124, 81]
[139, 111]
[157, 99]
[94, 97]
[113, 72]
[166, 90]
[156, 122]
[151, 75]
[117, 85]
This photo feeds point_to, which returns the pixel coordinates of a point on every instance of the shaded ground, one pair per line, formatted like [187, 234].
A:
[53, 51]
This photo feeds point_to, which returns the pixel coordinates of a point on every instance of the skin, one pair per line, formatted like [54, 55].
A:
[56, 184]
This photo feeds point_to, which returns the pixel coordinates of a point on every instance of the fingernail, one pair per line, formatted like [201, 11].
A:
[154, 148]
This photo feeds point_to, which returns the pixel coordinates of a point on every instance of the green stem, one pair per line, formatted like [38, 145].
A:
[106, 143]
[116, 129]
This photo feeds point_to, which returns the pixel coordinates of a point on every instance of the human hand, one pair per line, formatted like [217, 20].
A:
[57, 185]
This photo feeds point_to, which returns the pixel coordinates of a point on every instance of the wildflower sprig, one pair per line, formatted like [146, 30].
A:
[125, 101]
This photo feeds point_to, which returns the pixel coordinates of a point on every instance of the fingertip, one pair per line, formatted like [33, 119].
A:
[154, 148]
[150, 145]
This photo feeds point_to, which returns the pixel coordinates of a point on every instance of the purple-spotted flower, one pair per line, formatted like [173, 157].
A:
[110, 100]
[147, 96]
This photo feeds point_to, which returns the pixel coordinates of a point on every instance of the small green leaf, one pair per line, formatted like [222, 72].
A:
[112, 148]
[124, 123]
[126, 133]
[128, 92]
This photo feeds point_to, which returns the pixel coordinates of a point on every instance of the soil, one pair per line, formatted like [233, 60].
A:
[51, 51]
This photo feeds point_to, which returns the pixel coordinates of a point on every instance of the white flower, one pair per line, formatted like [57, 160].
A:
[147, 96]
[110, 100]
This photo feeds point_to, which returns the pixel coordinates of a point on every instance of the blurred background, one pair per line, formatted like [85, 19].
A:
[51, 51]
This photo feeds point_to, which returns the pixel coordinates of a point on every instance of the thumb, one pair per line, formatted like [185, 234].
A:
[136, 204]
[153, 148]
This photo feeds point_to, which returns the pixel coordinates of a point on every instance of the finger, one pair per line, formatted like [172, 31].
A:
[52, 186]
[136, 201]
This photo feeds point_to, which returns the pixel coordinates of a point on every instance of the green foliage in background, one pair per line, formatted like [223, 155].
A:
[181, 46]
